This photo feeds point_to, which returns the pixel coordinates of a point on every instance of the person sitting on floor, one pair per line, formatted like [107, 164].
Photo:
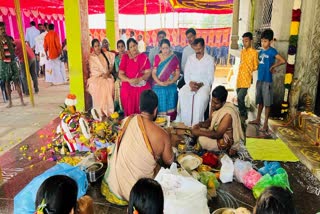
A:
[222, 131]
[140, 144]
[275, 200]
[58, 195]
[146, 197]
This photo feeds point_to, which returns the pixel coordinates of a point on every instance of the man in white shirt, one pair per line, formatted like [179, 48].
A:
[39, 50]
[31, 33]
[124, 36]
[194, 95]
[141, 44]
[156, 50]
[132, 35]
[188, 50]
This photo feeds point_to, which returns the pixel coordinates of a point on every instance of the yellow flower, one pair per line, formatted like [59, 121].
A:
[114, 115]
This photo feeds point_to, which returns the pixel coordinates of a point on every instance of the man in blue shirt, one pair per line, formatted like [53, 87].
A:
[269, 59]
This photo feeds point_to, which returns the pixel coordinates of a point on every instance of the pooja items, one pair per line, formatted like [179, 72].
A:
[161, 121]
[94, 172]
[189, 161]
[240, 210]
[210, 159]
[209, 179]
[102, 155]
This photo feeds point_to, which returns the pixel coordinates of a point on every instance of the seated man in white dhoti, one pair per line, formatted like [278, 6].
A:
[222, 131]
[140, 144]
[194, 95]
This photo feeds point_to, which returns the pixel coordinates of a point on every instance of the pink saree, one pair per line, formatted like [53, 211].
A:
[130, 95]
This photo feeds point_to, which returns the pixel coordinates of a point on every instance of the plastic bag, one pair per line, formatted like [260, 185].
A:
[240, 169]
[251, 178]
[269, 168]
[227, 168]
[280, 179]
[24, 201]
[182, 195]
[264, 182]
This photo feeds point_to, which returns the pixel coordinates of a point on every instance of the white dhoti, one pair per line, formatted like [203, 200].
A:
[55, 71]
[192, 105]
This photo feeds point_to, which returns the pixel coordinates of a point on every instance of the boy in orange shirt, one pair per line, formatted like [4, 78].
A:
[248, 64]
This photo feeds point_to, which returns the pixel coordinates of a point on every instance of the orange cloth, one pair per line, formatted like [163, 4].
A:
[248, 64]
[52, 44]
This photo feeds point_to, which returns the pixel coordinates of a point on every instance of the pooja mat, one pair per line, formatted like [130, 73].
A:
[269, 150]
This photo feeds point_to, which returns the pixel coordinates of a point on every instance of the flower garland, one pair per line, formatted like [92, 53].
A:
[293, 42]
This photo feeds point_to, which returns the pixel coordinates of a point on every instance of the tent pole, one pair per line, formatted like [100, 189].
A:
[145, 19]
[24, 49]
[179, 28]
[111, 16]
[160, 14]
[165, 13]
[253, 8]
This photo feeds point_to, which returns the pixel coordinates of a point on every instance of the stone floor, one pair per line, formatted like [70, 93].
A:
[18, 123]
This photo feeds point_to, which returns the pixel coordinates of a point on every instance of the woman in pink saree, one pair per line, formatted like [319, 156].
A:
[101, 84]
[134, 72]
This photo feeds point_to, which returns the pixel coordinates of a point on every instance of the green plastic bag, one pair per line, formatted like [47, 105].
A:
[280, 179]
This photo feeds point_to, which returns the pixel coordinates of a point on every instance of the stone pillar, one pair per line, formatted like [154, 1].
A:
[308, 55]
[235, 25]
[77, 34]
[112, 29]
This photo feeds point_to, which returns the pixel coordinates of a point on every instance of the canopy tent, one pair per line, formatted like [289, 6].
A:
[131, 6]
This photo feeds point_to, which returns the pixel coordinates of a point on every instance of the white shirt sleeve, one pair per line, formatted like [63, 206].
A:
[184, 59]
[210, 72]
[187, 71]
[28, 35]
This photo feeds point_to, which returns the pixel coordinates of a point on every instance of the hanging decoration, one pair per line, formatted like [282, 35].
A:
[293, 43]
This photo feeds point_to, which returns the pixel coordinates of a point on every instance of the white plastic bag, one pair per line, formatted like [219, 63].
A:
[227, 168]
[240, 169]
[182, 195]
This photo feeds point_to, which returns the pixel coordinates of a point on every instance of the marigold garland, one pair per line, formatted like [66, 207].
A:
[292, 50]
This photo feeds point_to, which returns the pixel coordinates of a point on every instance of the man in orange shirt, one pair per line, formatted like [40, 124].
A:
[248, 64]
[55, 73]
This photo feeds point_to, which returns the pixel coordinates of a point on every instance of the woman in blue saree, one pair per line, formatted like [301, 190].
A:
[165, 74]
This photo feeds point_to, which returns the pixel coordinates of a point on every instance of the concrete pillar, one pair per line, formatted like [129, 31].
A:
[77, 34]
[307, 62]
[244, 17]
[235, 25]
[112, 29]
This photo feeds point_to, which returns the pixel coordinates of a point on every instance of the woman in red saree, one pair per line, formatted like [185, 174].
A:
[101, 83]
[134, 73]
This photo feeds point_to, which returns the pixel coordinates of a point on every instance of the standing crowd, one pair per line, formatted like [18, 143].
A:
[44, 53]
